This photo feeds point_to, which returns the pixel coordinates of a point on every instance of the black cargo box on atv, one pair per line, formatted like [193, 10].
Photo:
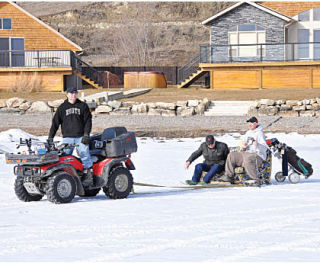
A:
[113, 142]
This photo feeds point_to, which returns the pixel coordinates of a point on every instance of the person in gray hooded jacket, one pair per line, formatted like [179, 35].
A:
[215, 154]
[254, 148]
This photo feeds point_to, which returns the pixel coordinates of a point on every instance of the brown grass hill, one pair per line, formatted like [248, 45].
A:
[131, 33]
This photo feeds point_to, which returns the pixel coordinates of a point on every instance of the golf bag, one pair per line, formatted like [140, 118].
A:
[290, 156]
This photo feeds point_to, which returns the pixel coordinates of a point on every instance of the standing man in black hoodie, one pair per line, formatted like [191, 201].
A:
[215, 154]
[75, 119]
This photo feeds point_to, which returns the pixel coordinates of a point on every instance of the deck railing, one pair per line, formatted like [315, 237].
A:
[260, 52]
[35, 58]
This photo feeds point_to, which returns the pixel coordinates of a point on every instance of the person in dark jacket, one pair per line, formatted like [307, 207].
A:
[215, 154]
[75, 119]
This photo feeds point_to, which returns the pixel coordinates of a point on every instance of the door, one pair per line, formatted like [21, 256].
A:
[17, 47]
[4, 52]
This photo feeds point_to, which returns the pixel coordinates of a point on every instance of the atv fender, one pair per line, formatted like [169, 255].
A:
[114, 163]
[68, 168]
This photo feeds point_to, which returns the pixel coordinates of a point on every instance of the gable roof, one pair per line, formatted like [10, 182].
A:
[45, 25]
[263, 8]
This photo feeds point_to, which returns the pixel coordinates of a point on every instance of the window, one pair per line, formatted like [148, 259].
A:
[316, 47]
[243, 37]
[304, 16]
[5, 23]
[316, 14]
[303, 37]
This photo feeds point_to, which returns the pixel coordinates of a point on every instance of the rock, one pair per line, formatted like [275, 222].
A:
[267, 102]
[309, 107]
[288, 114]
[168, 113]
[26, 105]
[285, 107]
[300, 103]
[267, 110]
[14, 102]
[166, 105]
[139, 108]
[256, 104]
[200, 109]
[10, 110]
[292, 102]
[313, 101]
[280, 102]
[299, 108]
[151, 105]
[306, 102]
[121, 111]
[55, 103]
[182, 103]
[39, 106]
[253, 111]
[193, 103]
[153, 111]
[206, 103]
[129, 104]
[114, 104]
[3, 103]
[317, 100]
[315, 106]
[187, 112]
[103, 109]
[308, 113]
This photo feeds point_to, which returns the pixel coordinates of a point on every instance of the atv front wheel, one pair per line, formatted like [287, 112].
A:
[61, 188]
[22, 193]
[119, 184]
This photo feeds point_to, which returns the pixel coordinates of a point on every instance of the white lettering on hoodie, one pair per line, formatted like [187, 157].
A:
[257, 135]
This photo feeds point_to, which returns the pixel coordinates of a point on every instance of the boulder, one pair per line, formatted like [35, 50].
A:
[39, 106]
[168, 113]
[103, 109]
[114, 104]
[121, 111]
[285, 107]
[256, 104]
[267, 110]
[55, 103]
[182, 103]
[308, 113]
[267, 102]
[14, 102]
[306, 102]
[152, 105]
[292, 102]
[206, 103]
[3, 103]
[166, 105]
[193, 103]
[288, 113]
[153, 111]
[200, 109]
[280, 102]
[25, 106]
[186, 112]
[315, 106]
[129, 104]
[10, 110]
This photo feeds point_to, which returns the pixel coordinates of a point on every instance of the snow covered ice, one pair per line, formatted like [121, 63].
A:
[280, 222]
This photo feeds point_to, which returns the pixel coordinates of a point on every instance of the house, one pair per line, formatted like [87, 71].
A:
[28, 46]
[260, 45]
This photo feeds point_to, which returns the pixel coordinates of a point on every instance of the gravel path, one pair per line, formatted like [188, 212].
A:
[153, 126]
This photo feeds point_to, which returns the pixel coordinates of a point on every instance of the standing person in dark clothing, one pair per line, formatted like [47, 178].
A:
[75, 119]
[215, 154]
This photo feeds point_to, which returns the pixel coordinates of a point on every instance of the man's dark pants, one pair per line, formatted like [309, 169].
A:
[211, 171]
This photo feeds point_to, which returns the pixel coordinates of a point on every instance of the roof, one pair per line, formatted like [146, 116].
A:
[263, 8]
[45, 25]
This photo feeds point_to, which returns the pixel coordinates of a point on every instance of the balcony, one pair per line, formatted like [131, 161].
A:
[266, 52]
[35, 58]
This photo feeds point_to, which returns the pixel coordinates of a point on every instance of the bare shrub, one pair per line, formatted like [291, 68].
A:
[26, 84]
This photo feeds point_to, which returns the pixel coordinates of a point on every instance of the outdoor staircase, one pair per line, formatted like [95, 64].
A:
[86, 72]
[193, 77]
[228, 108]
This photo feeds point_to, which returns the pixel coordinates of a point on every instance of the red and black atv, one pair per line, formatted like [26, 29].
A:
[51, 172]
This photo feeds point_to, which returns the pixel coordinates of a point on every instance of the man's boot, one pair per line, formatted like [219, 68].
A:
[226, 179]
[88, 179]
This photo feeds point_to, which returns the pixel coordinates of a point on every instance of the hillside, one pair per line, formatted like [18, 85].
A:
[131, 33]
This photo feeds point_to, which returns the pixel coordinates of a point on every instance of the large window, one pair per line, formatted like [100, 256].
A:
[5, 23]
[11, 52]
[316, 47]
[245, 37]
[303, 37]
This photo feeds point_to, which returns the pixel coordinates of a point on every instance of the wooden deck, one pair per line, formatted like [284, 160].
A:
[264, 75]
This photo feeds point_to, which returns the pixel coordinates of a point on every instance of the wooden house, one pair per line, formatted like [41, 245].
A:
[260, 45]
[28, 47]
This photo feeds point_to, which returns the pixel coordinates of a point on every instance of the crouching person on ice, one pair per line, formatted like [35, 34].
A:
[75, 119]
[254, 152]
[215, 154]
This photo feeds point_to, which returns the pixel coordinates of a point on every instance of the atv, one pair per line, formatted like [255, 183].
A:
[48, 171]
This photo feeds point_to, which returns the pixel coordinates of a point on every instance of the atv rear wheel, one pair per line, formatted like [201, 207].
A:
[61, 188]
[22, 193]
[91, 192]
[119, 184]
